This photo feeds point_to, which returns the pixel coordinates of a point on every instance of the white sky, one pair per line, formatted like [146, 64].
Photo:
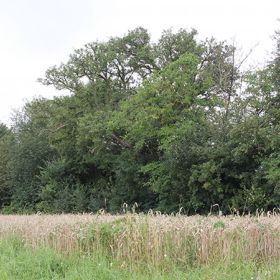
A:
[36, 34]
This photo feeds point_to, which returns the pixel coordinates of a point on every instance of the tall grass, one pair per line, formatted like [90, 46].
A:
[18, 261]
[153, 241]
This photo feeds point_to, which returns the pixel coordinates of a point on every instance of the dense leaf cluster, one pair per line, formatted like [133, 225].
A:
[169, 125]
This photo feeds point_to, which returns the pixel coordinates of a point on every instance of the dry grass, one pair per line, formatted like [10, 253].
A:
[153, 239]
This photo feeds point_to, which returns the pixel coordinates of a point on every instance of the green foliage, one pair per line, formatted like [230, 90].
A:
[6, 143]
[168, 125]
[219, 224]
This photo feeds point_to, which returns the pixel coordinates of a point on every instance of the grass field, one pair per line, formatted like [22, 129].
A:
[135, 246]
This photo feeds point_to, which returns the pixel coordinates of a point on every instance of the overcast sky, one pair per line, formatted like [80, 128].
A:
[36, 34]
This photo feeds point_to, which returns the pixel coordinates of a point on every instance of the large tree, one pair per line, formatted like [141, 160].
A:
[167, 125]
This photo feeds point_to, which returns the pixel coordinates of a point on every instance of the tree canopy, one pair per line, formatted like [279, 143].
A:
[169, 125]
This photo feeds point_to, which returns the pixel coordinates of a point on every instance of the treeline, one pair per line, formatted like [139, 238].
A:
[167, 125]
